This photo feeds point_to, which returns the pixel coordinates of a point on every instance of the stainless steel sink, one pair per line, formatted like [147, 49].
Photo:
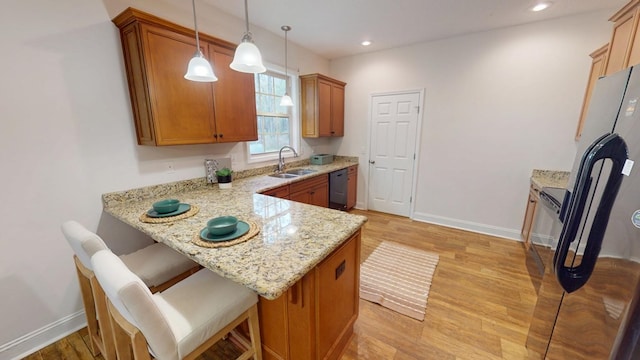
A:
[301, 171]
[283, 176]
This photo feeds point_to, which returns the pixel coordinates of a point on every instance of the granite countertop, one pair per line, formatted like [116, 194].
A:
[550, 178]
[293, 237]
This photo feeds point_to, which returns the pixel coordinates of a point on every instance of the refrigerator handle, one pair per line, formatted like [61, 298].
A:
[572, 278]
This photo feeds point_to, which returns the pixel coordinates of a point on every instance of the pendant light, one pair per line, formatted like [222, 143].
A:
[199, 68]
[247, 58]
[286, 99]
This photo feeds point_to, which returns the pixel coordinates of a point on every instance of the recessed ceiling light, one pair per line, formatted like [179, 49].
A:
[366, 43]
[541, 6]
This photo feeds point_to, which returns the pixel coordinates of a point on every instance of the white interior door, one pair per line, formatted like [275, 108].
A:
[394, 124]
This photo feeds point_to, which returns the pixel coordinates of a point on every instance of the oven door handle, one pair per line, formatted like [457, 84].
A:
[573, 278]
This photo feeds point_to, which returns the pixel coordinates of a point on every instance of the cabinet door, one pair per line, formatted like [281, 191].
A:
[352, 186]
[634, 52]
[181, 109]
[300, 196]
[279, 192]
[597, 70]
[623, 28]
[324, 108]
[319, 195]
[233, 99]
[529, 216]
[301, 309]
[337, 110]
[337, 286]
[313, 191]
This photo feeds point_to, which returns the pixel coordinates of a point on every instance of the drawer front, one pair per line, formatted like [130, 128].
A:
[308, 183]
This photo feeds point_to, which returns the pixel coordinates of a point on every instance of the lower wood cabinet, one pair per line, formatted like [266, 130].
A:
[352, 186]
[279, 192]
[314, 318]
[313, 191]
[530, 215]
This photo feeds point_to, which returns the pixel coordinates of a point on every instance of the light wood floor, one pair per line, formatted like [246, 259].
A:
[479, 306]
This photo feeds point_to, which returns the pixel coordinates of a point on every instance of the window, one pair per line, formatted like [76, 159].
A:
[276, 127]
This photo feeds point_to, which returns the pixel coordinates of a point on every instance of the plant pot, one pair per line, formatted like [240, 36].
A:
[224, 182]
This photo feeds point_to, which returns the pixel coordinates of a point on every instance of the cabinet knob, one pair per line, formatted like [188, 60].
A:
[221, 135]
[372, 162]
[215, 136]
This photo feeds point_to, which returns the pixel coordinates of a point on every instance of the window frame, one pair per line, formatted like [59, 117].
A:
[294, 118]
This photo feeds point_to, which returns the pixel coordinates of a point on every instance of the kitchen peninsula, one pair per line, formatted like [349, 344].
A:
[304, 262]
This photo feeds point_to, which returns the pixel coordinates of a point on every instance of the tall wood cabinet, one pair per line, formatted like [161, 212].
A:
[167, 108]
[322, 106]
[622, 50]
[599, 58]
[314, 318]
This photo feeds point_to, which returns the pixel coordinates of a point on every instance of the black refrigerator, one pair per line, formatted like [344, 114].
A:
[588, 306]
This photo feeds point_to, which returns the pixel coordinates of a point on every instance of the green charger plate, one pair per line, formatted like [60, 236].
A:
[182, 208]
[242, 229]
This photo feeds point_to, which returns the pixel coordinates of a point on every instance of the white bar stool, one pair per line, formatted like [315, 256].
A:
[179, 323]
[158, 265]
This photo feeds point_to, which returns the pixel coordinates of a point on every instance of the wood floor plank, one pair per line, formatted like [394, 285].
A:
[479, 307]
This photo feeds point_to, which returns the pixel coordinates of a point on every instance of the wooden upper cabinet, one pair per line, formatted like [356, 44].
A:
[167, 108]
[625, 25]
[322, 106]
[233, 98]
[599, 58]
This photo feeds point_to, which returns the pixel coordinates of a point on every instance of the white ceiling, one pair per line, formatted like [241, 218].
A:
[335, 28]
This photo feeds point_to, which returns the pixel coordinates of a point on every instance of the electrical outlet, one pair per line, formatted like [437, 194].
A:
[170, 168]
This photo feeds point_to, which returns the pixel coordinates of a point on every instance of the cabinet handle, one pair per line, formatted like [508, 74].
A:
[532, 201]
[312, 192]
[215, 136]
[221, 135]
[295, 294]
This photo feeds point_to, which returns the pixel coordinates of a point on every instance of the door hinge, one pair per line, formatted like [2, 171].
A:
[410, 199]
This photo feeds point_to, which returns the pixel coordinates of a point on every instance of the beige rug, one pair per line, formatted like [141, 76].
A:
[398, 277]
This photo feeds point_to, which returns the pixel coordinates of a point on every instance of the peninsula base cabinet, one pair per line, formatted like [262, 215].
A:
[314, 318]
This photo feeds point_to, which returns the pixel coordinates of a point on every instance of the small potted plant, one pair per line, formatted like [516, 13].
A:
[224, 178]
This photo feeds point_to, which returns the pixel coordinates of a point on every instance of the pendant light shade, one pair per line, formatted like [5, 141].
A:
[199, 68]
[247, 58]
[286, 99]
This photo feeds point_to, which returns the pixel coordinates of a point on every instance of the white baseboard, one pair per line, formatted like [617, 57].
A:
[510, 234]
[38, 339]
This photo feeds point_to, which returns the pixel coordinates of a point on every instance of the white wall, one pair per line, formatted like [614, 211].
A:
[66, 137]
[497, 105]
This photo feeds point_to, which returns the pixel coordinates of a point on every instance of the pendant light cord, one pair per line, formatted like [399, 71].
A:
[246, 14]
[286, 29]
[195, 25]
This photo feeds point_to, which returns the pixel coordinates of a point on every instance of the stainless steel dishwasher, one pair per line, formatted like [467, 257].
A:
[338, 189]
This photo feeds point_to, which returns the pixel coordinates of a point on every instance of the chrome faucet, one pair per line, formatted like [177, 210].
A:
[281, 160]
